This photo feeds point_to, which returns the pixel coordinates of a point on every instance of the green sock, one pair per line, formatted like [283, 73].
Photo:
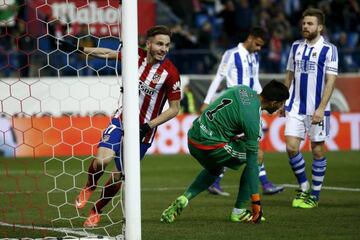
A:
[201, 183]
[249, 183]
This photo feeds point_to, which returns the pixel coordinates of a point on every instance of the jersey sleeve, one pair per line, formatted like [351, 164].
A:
[173, 85]
[332, 61]
[252, 131]
[257, 86]
[251, 171]
[290, 63]
[220, 75]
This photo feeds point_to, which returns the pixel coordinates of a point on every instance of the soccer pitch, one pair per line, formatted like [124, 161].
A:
[24, 210]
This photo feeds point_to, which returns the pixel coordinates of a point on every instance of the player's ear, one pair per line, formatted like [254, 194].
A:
[148, 42]
[321, 27]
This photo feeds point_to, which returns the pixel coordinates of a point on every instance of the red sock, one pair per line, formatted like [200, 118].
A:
[93, 176]
[109, 191]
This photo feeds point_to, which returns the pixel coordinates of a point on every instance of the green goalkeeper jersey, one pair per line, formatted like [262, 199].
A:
[236, 111]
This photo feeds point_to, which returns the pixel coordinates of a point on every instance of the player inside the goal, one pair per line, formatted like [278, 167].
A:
[159, 81]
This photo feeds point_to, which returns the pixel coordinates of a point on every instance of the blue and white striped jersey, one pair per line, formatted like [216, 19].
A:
[239, 67]
[310, 64]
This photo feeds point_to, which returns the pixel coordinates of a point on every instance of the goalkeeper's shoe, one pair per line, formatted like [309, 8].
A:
[93, 219]
[301, 196]
[83, 197]
[174, 210]
[245, 216]
[308, 203]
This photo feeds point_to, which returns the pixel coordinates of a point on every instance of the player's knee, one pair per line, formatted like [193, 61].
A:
[291, 150]
[100, 164]
[317, 150]
[317, 154]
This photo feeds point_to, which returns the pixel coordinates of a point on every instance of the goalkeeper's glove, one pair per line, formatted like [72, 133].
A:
[144, 129]
[256, 208]
[67, 46]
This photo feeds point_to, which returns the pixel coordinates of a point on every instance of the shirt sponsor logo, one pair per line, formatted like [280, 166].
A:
[305, 66]
[146, 89]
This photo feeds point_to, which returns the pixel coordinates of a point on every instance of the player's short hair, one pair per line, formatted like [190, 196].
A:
[275, 91]
[259, 32]
[315, 12]
[158, 29]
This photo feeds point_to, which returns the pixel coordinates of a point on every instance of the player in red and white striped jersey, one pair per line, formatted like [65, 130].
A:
[159, 82]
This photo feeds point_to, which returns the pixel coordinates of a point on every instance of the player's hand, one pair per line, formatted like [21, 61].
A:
[144, 129]
[67, 46]
[203, 107]
[256, 209]
[318, 116]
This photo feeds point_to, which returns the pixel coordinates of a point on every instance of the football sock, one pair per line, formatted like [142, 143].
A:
[218, 179]
[262, 175]
[109, 191]
[297, 164]
[201, 183]
[318, 174]
[93, 176]
[247, 183]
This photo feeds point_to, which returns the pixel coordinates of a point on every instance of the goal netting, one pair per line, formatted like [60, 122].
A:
[54, 106]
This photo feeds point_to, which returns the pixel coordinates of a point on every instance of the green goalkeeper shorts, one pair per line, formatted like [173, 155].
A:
[231, 155]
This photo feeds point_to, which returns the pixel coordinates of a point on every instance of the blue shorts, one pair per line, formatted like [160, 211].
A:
[112, 139]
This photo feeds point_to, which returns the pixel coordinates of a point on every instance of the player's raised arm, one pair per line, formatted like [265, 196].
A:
[101, 52]
[92, 51]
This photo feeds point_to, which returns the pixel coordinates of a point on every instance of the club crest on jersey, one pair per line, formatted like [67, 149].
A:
[156, 78]
[313, 54]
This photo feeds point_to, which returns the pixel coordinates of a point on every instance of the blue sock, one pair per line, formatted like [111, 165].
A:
[297, 164]
[318, 174]
[219, 178]
[262, 175]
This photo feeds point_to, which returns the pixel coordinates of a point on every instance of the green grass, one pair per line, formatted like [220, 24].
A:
[24, 187]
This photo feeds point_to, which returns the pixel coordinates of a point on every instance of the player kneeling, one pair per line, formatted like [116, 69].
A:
[213, 141]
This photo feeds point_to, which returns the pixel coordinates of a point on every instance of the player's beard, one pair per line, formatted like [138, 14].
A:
[309, 35]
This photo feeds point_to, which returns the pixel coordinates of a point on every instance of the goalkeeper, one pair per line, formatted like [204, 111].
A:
[226, 135]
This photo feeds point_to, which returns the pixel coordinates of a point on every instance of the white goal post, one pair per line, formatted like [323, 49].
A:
[131, 145]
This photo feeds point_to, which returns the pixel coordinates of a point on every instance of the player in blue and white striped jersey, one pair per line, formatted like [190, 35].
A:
[311, 75]
[240, 66]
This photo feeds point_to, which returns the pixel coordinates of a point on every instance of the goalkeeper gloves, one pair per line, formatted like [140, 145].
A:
[144, 129]
[256, 208]
[67, 46]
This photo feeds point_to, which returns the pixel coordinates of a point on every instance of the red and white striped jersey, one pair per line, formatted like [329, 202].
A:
[159, 82]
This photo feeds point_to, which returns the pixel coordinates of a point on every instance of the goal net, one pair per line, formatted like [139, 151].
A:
[54, 106]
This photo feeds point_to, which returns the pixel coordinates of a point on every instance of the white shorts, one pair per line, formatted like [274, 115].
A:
[298, 126]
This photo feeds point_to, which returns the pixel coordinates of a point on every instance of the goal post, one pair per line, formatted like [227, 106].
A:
[131, 119]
